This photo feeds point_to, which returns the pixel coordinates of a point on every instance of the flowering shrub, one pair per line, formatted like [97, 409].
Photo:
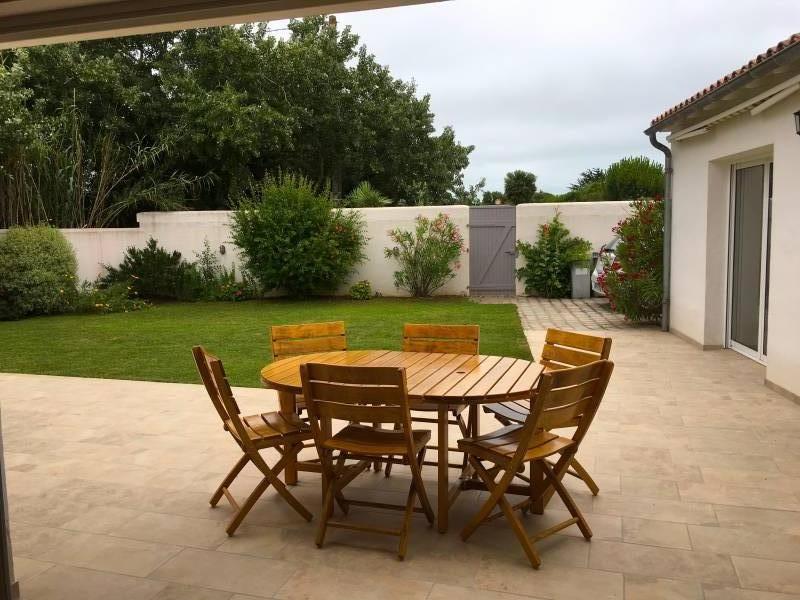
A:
[293, 239]
[427, 256]
[38, 272]
[547, 262]
[361, 290]
[633, 281]
[115, 298]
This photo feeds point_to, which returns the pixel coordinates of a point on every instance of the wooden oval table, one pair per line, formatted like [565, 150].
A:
[443, 380]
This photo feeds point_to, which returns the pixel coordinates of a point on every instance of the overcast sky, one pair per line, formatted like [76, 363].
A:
[558, 87]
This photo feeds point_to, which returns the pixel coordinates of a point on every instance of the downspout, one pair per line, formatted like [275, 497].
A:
[667, 226]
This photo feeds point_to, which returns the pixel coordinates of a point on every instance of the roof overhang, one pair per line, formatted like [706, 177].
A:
[745, 92]
[35, 22]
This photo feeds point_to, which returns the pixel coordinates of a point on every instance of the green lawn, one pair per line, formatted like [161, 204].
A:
[155, 344]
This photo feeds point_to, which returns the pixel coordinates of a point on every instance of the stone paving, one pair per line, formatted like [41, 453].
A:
[591, 314]
[698, 465]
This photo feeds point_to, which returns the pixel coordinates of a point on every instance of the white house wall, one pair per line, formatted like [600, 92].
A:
[700, 232]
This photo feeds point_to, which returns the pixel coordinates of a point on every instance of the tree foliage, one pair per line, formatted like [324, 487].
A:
[520, 187]
[634, 177]
[233, 104]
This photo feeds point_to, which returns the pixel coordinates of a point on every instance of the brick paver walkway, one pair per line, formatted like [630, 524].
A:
[578, 315]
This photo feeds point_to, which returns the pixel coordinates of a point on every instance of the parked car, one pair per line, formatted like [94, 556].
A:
[608, 252]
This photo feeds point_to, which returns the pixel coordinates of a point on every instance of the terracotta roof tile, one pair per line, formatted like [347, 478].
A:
[768, 54]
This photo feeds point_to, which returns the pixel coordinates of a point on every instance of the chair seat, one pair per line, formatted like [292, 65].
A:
[273, 428]
[499, 446]
[362, 439]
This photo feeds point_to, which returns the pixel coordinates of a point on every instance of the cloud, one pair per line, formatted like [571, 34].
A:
[558, 87]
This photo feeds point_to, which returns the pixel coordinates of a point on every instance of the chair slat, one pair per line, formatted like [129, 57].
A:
[567, 357]
[307, 338]
[359, 413]
[308, 330]
[377, 395]
[580, 341]
[453, 339]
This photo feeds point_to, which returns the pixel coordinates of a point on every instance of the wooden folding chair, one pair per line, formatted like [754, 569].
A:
[356, 395]
[445, 339]
[285, 434]
[562, 349]
[563, 396]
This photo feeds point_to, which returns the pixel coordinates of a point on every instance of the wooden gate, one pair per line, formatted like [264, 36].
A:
[492, 255]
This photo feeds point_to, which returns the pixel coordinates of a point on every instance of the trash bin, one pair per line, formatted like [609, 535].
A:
[581, 279]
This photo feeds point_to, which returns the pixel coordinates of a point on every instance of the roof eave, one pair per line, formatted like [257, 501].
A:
[785, 57]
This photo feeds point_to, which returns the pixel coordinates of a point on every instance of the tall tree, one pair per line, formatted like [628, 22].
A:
[520, 187]
[231, 104]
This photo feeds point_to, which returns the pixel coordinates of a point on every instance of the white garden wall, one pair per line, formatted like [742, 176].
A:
[590, 220]
[186, 232]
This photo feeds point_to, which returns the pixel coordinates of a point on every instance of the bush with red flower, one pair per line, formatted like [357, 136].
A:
[633, 282]
[428, 255]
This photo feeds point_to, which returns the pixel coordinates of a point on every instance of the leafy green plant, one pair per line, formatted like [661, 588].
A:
[547, 261]
[633, 282]
[38, 272]
[634, 177]
[155, 273]
[361, 290]
[115, 298]
[366, 196]
[293, 239]
[427, 256]
[520, 187]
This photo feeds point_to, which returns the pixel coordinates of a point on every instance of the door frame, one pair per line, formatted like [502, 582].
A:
[758, 355]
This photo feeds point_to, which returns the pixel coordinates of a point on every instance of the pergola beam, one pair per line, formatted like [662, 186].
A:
[36, 22]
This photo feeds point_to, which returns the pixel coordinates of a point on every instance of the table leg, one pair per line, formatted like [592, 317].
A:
[537, 486]
[443, 495]
[289, 407]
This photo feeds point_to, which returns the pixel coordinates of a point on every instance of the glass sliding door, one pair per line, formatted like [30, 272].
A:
[748, 273]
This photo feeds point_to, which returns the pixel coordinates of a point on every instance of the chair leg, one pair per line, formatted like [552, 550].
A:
[419, 485]
[584, 475]
[226, 483]
[280, 487]
[519, 531]
[567, 500]
[329, 487]
[490, 503]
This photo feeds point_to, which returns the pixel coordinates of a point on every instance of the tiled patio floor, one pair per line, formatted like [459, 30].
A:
[698, 464]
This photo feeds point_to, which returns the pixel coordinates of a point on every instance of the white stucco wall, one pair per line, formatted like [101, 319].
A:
[701, 192]
[186, 232]
[590, 220]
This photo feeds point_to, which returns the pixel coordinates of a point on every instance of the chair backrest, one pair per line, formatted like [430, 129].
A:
[449, 339]
[564, 349]
[355, 394]
[291, 340]
[219, 390]
[569, 398]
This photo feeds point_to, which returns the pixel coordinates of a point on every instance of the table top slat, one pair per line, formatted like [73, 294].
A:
[487, 382]
[510, 378]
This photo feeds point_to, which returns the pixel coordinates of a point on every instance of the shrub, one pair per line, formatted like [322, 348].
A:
[361, 290]
[293, 239]
[38, 272]
[547, 262]
[366, 196]
[633, 282]
[427, 255]
[155, 273]
[115, 298]
[634, 177]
